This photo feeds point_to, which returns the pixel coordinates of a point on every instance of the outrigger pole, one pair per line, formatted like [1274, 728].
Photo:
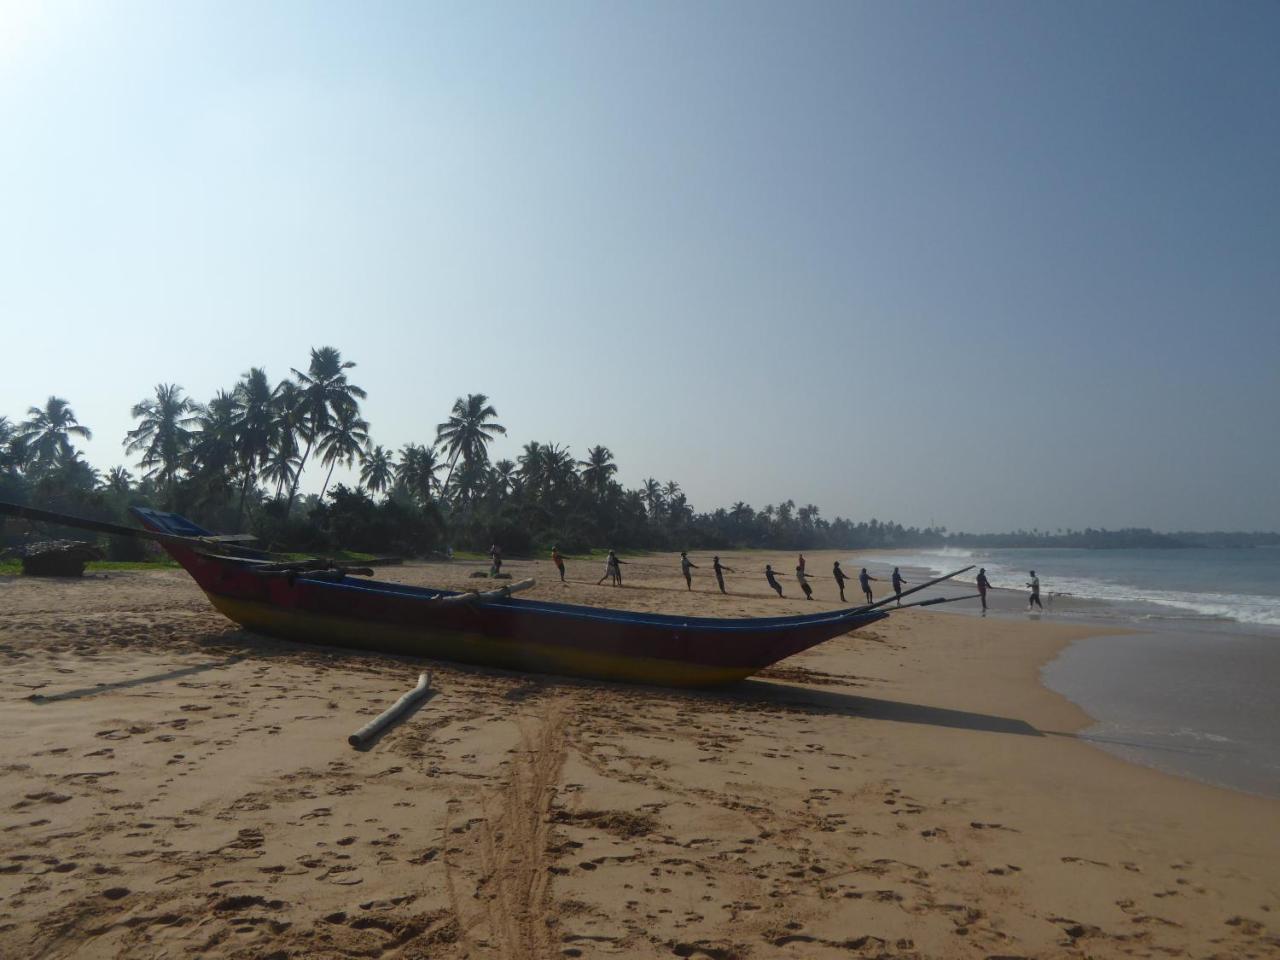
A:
[923, 586]
[230, 541]
[115, 529]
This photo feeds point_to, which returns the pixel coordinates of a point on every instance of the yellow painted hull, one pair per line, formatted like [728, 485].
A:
[470, 648]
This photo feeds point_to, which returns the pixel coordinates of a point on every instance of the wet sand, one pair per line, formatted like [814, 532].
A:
[174, 786]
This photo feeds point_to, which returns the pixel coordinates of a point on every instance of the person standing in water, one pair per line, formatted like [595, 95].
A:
[772, 580]
[719, 568]
[558, 561]
[897, 585]
[802, 577]
[983, 586]
[685, 566]
[1034, 599]
[841, 579]
[864, 581]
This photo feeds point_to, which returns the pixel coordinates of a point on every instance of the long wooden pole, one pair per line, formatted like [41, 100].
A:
[923, 586]
[98, 526]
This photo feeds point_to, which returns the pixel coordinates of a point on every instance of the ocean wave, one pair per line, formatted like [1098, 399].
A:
[1190, 605]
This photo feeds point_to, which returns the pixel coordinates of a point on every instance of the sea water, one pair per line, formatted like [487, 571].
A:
[1190, 584]
[1193, 686]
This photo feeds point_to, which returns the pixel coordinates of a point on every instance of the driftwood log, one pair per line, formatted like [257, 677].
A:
[366, 734]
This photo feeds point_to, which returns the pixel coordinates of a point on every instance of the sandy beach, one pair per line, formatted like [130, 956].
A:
[174, 786]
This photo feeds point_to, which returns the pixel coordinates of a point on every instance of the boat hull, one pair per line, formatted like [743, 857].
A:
[509, 633]
[473, 648]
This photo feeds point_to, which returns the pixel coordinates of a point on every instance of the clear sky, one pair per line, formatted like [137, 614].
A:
[991, 265]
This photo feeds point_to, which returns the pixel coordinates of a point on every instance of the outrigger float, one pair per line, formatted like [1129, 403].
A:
[319, 601]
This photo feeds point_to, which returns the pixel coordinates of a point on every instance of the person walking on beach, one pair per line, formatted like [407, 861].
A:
[719, 568]
[685, 566]
[801, 562]
[841, 579]
[983, 586]
[897, 585]
[495, 555]
[558, 561]
[772, 580]
[1034, 599]
[864, 580]
[804, 583]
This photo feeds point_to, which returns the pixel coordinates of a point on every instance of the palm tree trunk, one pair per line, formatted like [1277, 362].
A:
[297, 478]
[327, 477]
[452, 462]
[244, 489]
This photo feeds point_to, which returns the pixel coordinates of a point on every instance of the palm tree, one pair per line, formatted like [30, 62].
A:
[468, 481]
[212, 448]
[417, 470]
[254, 427]
[119, 480]
[598, 468]
[10, 452]
[344, 441]
[558, 472]
[45, 436]
[71, 471]
[652, 492]
[378, 470]
[288, 411]
[468, 431]
[163, 434]
[281, 467]
[670, 491]
[326, 392]
[504, 477]
[532, 468]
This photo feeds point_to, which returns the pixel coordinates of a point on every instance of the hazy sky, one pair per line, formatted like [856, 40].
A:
[987, 264]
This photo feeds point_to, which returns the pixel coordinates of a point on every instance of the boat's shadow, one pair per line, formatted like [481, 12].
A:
[757, 694]
[754, 693]
[870, 708]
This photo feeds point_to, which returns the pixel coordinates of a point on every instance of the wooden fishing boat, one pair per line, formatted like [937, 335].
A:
[318, 602]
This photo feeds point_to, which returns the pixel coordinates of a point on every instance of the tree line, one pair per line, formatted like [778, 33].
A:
[236, 462]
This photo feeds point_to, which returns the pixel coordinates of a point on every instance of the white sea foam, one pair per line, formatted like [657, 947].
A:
[1190, 605]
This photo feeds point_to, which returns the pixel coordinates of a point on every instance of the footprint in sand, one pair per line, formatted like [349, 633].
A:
[45, 796]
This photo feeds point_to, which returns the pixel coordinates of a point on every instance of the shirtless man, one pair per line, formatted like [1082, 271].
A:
[685, 566]
[864, 580]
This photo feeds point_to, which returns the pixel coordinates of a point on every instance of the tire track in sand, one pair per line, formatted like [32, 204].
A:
[513, 843]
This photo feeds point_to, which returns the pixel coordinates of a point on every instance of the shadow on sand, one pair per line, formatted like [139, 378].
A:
[242, 644]
[872, 708]
[135, 682]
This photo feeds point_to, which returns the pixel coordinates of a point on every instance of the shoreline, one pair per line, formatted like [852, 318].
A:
[1161, 693]
[910, 790]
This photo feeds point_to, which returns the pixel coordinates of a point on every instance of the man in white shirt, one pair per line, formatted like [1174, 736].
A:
[1034, 584]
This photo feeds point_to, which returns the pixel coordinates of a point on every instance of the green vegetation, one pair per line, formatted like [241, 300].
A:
[9, 568]
[236, 463]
